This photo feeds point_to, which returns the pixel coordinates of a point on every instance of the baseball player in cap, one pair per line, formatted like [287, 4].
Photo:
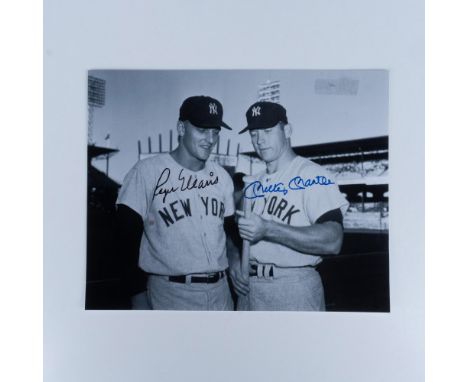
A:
[175, 205]
[296, 219]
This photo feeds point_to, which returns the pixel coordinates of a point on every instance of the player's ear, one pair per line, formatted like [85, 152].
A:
[287, 130]
[180, 128]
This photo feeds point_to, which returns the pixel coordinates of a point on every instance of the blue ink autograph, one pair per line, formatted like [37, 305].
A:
[258, 190]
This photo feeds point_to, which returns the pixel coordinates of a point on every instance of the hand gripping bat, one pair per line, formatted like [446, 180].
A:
[247, 207]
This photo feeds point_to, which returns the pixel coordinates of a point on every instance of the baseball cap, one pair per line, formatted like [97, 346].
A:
[263, 115]
[202, 111]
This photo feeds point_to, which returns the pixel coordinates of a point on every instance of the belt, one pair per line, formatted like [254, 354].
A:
[255, 270]
[270, 270]
[209, 278]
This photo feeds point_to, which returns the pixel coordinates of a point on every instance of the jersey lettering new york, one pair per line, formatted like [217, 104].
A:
[183, 213]
[298, 208]
[180, 209]
[278, 207]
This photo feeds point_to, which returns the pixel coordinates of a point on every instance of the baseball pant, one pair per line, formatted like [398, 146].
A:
[168, 295]
[277, 289]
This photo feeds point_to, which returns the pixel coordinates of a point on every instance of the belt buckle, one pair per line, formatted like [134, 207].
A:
[218, 276]
[212, 278]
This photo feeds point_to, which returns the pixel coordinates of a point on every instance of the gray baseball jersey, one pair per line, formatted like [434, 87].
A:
[183, 214]
[296, 195]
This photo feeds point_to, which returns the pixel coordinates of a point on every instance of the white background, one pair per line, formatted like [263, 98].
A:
[118, 346]
[122, 346]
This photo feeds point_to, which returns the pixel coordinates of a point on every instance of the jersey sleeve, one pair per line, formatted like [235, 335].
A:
[134, 191]
[320, 198]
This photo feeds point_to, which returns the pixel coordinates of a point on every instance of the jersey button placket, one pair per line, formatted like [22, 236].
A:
[201, 210]
[203, 236]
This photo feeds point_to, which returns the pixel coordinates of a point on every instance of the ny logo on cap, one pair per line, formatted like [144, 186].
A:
[213, 108]
[256, 111]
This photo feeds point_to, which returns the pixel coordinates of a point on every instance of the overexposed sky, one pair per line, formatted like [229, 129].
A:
[142, 104]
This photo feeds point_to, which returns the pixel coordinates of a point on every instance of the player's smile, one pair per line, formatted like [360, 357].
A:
[206, 149]
[199, 142]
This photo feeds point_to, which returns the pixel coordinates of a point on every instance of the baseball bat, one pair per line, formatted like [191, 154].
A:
[247, 207]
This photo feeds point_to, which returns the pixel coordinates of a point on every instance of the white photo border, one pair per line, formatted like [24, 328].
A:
[121, 346]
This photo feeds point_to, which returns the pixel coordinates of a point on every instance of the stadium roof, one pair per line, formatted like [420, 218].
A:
[95, 151]
[373, 148]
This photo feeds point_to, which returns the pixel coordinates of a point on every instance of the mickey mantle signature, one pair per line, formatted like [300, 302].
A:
[258, 190]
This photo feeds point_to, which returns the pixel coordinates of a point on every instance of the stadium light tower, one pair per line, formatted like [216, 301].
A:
[96, 98]
[269, 91]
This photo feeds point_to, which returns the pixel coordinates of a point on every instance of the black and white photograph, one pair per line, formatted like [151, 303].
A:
[238, 190]
[233, 190]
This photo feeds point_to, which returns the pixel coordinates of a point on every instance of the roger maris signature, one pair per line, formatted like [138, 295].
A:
[185, 184]
[258, 190]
